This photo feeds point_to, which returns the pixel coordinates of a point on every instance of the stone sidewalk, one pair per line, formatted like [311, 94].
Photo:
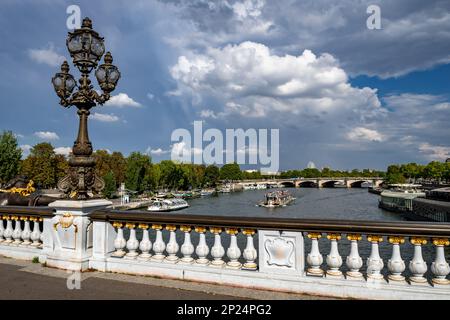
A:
[27, 280]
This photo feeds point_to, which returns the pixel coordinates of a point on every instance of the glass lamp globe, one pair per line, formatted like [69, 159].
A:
[63, 82]
[85, 46]
[107, 74]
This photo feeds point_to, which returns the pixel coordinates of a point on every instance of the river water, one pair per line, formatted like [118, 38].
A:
[326, 203]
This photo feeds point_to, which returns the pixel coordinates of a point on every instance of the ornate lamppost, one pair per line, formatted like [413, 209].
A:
[86, 48]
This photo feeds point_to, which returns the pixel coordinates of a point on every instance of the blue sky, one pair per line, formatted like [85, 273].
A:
[341, 95]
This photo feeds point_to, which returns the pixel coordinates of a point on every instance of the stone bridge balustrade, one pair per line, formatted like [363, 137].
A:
[21, 232]
[347, 259]
[270, 253]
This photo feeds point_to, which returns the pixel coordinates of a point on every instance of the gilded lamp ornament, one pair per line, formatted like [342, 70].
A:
[86, 49]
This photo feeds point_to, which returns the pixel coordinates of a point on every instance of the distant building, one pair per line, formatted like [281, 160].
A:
[311, 165]
[448, 160]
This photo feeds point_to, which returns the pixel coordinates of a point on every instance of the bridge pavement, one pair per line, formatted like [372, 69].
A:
[26, 280]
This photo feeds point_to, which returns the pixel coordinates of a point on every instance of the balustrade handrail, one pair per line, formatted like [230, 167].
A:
[403, 228]
[43, 212]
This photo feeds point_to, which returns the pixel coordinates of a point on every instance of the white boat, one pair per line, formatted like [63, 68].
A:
[249, 186]
[261, 186]
[226, 189]
[276, 199]
[206, 193]
[167, 205]
[399, 197]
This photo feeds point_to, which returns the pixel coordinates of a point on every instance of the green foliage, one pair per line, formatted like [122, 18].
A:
[35, 260]
[230, 171]
[110, 185]
[211, 176]
[137, 165]
[10, 156]
[43, 166]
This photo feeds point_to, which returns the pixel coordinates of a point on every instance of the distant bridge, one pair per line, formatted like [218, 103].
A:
[323, 182]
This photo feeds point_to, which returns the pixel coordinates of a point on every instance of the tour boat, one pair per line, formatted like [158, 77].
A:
[399, 197]
[206, 193]
[167, 205]
[276, 199]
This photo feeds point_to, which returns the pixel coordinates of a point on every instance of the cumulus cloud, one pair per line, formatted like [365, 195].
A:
[364, 134]
[252, 81]
[157, 151]
[65, 151]
[46, 135]
[439, 153]
[325, 26]
[26, 148]
[46, 56]
[122, 100]
[104, 117]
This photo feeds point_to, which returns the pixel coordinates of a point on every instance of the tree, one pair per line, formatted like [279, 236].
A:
[137, 164]
[10, 156]
[110, 185]
[40, 166]
[230, 171]
[212, 176]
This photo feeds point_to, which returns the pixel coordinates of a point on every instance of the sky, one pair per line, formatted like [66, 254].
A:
[341, 95]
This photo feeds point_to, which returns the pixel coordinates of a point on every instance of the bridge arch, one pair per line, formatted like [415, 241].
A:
[288, 184]
[307, 184]
[358, 183]
[328, 184]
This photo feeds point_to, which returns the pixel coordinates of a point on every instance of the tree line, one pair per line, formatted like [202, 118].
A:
[434, 171]
[140, 174]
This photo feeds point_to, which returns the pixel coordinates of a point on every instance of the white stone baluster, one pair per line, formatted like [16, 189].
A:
[395, 264]
[250, 253]
[440, 267]
[41, 237]
[8, 231]
[172, 246]
[354, 261]
[158, 246]
[202, 249]
[145, 245]
[233, 251]
[314, 258]
[17, 233]
[334, 259]
[187, 248]
[119, 242]
[374, 262]
[36, 234]
[2, 228]
[417, 265]
[217, 250]
[132, 243]
[26, 233]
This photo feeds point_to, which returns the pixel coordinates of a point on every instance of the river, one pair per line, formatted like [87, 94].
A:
[326, 203]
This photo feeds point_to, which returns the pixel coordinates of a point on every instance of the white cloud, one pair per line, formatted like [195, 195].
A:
[122, 100]
[208, 114]
[104, 117]
[151, 96]
[157, 151]
[180, 148]
[252, 81]
[46, 56]
[65, 151]
[46, 135]
[436, 153]
[25, 149]
[365, 134]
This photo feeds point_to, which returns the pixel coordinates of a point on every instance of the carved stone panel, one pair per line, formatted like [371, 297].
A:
[281, 252]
